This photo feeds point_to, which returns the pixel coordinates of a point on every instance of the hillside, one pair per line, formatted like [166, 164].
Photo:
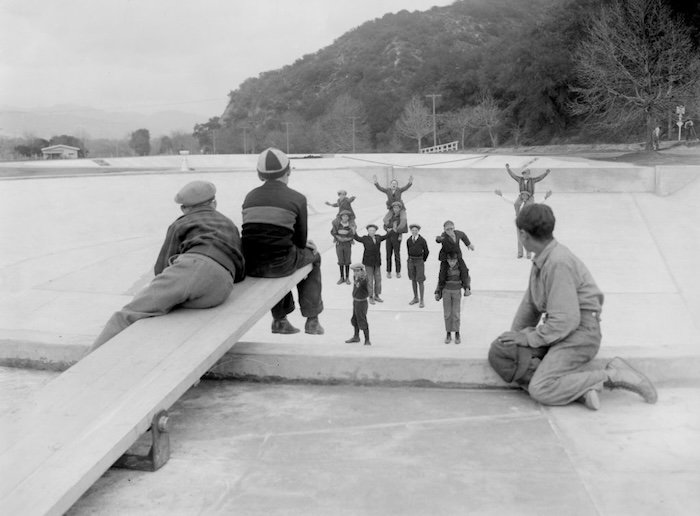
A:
[520, 52]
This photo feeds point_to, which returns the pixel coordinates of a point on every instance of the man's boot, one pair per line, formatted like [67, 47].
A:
[621, 375]
[283, 326]
[313, 327]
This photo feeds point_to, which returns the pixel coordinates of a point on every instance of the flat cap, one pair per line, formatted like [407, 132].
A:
[414, 226]
[196, 192]
[397, 203]
[357, 267]
[372, 226]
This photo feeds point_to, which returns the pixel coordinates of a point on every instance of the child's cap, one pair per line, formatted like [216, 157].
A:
[196, 192]
[344, 212]
[372, 226]
[417, 226]
[342, 192]
[357, 267]
[397, 203]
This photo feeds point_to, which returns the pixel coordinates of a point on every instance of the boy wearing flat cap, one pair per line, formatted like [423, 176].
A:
[275, 244]
[417, 255]
[360, 293]
[372, 260]
[197, 265]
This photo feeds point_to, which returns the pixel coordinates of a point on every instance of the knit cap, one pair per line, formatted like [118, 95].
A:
[272, 164]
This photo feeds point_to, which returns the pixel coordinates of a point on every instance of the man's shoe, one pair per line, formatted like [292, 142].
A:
[458, 339]
[371, 300]
[283, 326]
[590, 400]
[313, 327]
[347, 281]
[378, 299]
[448, 339]
[368, 343]
[356, 338]
[388, 274]
[621, 375]
[341, 281]
[422, 304]
[398, 274]
[413, 301]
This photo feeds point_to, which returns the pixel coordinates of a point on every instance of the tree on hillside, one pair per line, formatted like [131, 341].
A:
[416, 120]
[206, 134]
[459, 121]
[636, 65]
[487, 114]
[343, 127]
[140, 141]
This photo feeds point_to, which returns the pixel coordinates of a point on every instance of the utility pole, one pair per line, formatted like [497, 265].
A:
[433, 96]
[353, 132]
[287, 124]
[245, 142]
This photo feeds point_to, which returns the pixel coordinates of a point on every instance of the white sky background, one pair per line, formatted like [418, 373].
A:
[154, 55]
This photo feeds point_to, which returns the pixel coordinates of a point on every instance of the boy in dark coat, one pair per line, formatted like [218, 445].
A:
[275, 243]
[197, 265]
[395, 225]
[372, 260]
[360, 293]
[417, 255]
[450, 244]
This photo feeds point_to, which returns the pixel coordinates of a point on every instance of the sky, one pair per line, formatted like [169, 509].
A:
[156, 55]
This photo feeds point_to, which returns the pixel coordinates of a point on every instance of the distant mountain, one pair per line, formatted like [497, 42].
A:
[83, 121]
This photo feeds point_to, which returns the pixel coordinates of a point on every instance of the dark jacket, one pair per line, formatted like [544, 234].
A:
[274, 220]
[208, 232]
[372, 255]
[417, 249]
[450, 246]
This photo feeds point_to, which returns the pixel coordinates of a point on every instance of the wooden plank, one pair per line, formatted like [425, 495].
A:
[54, 448]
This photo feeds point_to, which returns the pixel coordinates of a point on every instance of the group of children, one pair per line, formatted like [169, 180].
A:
[367, 279]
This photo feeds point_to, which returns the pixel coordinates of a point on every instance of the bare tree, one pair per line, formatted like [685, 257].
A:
[460, 121]
[343, 128]
[487, 114]
[416, 120]
[636, 65]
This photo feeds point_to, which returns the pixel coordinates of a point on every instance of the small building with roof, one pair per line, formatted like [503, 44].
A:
[60, 151]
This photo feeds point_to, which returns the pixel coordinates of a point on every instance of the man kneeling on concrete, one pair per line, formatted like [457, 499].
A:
[275, 241]
[197, 266]
[556, 329]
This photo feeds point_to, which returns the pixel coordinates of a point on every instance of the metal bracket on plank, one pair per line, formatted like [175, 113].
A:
[159, 452]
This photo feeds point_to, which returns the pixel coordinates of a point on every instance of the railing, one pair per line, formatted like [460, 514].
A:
[446, 147]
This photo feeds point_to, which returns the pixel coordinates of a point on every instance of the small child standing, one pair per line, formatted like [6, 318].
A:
[343, 230]
[344, 203]
[451, 280]
[360, 293]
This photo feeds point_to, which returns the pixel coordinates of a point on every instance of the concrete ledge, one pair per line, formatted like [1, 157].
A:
[328, 364]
